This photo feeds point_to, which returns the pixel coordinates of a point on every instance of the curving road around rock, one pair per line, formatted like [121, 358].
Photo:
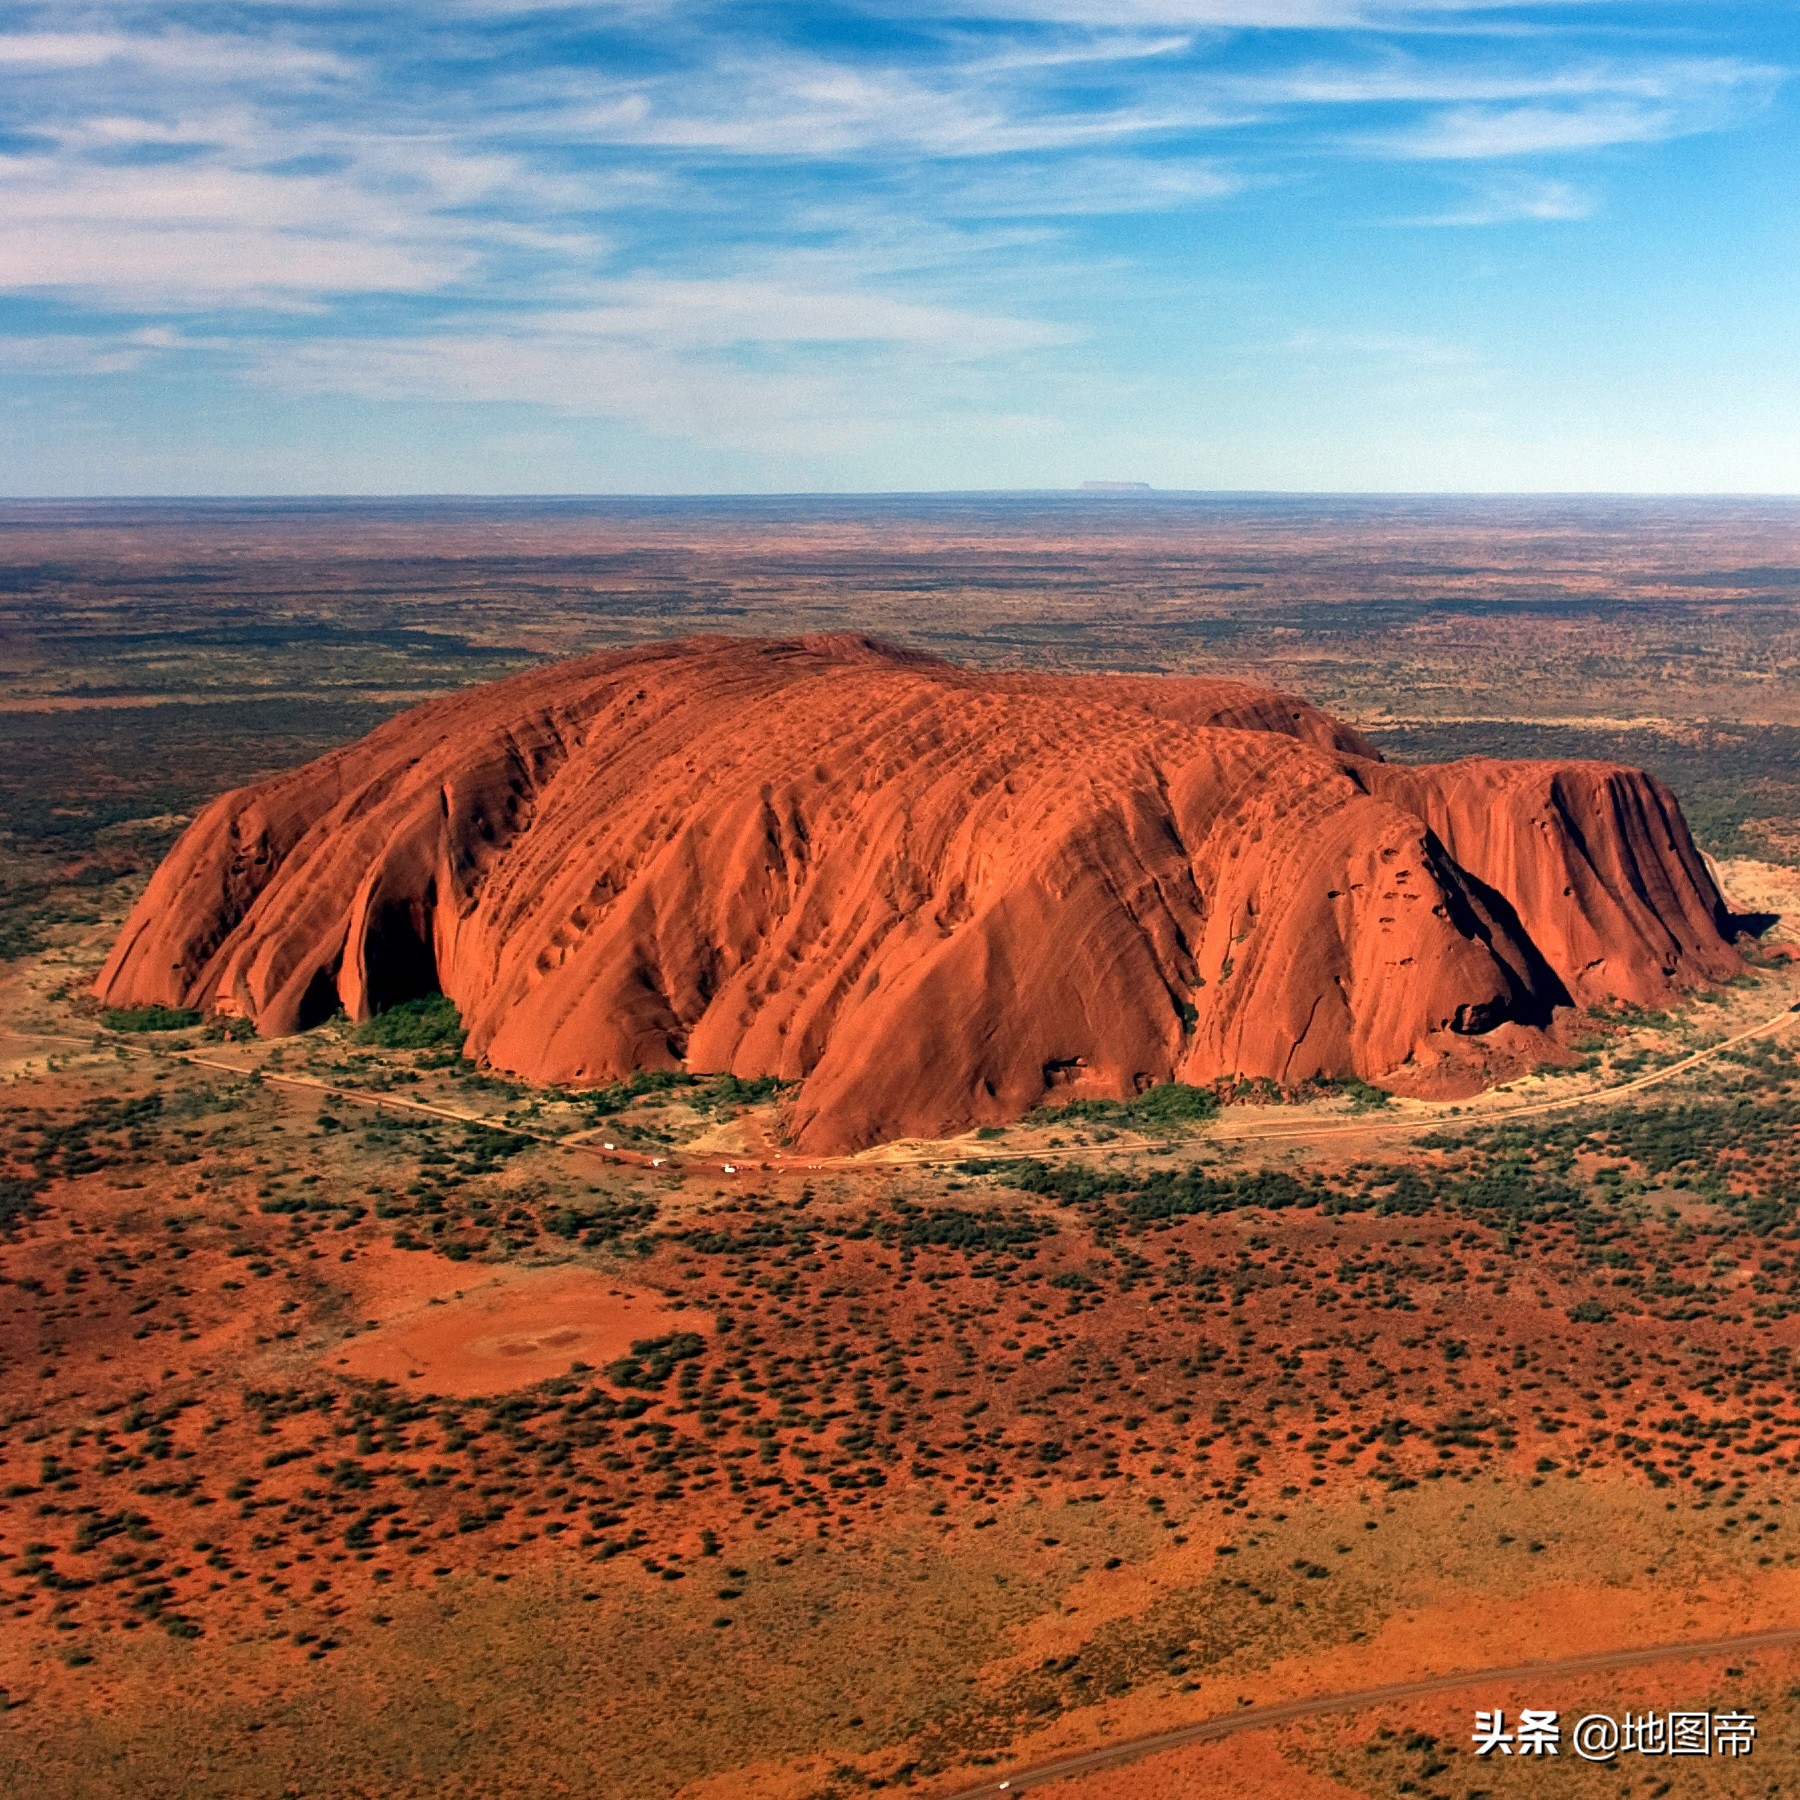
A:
[871, 1163]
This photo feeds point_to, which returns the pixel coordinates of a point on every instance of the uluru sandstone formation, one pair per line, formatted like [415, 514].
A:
[928, 895]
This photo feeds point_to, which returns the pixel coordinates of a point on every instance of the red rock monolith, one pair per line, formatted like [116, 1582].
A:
[930, 896]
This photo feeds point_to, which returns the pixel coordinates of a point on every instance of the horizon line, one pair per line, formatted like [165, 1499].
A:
[1105, 493]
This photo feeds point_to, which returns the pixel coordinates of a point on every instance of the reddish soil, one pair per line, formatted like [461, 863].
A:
[491, 1331]
[1201, 1448]
[928, 895]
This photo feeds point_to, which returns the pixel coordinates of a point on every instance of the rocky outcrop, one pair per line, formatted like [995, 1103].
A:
[929, 896]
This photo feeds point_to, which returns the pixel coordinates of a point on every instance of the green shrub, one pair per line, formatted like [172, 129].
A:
[731, 1090]
[621, 1094]
[1168, 1103]
[1173, 1103]
[415, 1025]
[653, 1360]
[149, 1018]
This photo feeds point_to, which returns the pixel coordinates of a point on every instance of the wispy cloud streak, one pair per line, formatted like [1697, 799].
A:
[708, 213]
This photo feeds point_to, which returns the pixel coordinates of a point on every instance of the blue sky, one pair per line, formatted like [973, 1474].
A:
[493, 246]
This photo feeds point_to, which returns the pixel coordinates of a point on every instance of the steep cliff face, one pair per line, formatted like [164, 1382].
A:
[928, 895]
[1595, 861]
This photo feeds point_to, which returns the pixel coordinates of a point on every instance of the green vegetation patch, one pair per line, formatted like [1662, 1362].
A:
[1509, 1192]
[907, 1227]
[621, 1094]
[1160, 1108]
[703, 1093]
[149, 1018]
[425, 1024]
[653, 1360]
[733, 1090]
[600, 1221]
[956, 1228]
[1163, 1194]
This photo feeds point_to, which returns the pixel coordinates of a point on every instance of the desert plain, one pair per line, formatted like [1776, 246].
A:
[379, 1422]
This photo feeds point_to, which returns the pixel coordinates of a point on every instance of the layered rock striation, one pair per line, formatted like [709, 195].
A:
[928, 895]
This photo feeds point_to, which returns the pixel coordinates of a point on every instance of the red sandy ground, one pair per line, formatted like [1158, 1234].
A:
[470, 1331]
[1218, 1361]
[184, 1451]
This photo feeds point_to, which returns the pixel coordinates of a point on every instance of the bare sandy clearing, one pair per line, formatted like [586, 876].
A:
[507, 1330]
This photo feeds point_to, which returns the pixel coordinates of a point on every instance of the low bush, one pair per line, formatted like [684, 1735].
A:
[415, 1025]
[149, 1018]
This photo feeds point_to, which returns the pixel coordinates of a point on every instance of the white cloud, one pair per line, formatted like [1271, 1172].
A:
[188, 54]
[792, 108]
[69, 353]
[1466, 133]
[1077, 185]
[205, 205]
[193, 235]
[795, 107]
[757, 364]
[715, 314]
[1400, 79]
[1512, 202]
[1270, 15]
[816, 405]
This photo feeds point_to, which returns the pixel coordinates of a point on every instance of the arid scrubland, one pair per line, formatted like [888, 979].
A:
[373, 1425]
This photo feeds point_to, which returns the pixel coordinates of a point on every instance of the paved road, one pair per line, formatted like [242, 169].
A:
[1505, 1687]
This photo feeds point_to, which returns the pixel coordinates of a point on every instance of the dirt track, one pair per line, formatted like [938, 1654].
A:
[1254, 1718]
[1435, 1120]
[937, 1155]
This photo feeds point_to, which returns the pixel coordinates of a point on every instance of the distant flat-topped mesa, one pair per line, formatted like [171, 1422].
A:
[928, 895]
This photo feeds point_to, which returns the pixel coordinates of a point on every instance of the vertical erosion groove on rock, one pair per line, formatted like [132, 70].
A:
[927, 895]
